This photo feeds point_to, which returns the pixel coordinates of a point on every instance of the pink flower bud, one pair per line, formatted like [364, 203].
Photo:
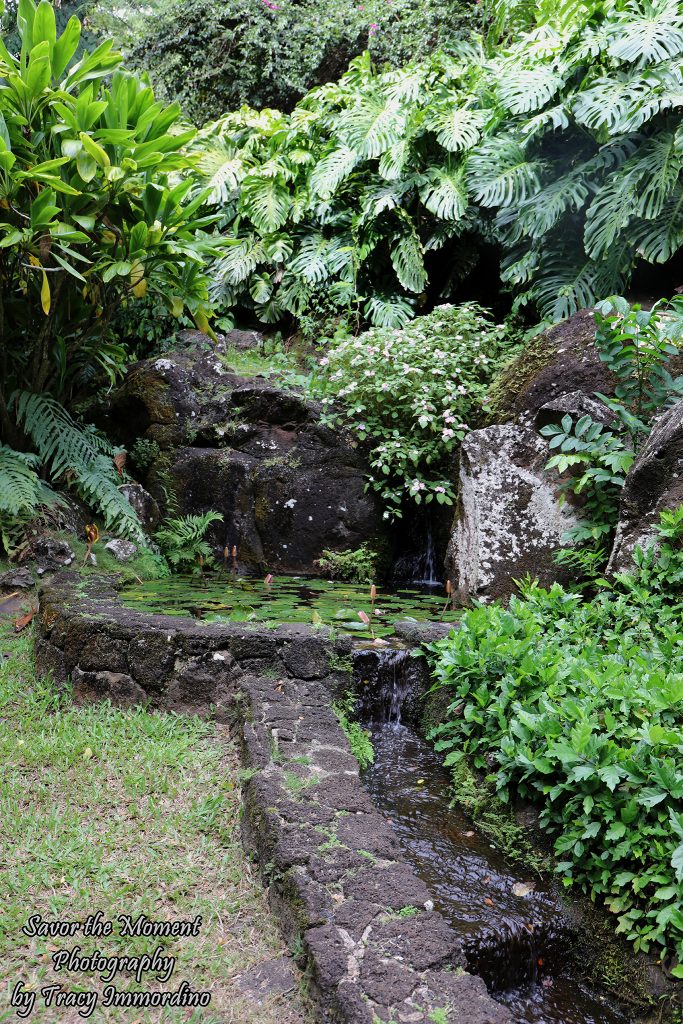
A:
[364, 618]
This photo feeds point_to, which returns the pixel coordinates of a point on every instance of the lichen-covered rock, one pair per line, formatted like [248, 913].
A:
[122, 550]
[561, 360]
[51, 553]
[16, 579]
[144, 504]
[653, 484]
[509, 521]
[575, 404]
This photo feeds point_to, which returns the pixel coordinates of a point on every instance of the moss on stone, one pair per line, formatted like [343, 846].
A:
[516, 376]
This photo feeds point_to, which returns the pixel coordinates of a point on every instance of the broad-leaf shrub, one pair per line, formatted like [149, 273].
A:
[578, 706]
[413, 394]
[563, 145]
[90, 221]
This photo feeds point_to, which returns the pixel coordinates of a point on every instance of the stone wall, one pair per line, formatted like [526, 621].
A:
[375, 950]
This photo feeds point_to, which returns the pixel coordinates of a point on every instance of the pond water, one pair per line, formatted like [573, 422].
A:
[232, 598]
[512, 924]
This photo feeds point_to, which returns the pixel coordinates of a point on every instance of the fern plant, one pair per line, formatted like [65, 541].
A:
[182, 540]
[593, 459]
[70, 456]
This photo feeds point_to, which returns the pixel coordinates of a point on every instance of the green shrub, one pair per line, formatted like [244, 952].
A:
[89, 222]
[215, 57]
[413, 394]
[359, 566]
[578, 706]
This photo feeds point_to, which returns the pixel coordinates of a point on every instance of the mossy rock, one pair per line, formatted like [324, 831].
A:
[562, 359]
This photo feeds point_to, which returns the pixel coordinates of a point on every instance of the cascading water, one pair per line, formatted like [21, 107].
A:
[513, 928]
[420, 567]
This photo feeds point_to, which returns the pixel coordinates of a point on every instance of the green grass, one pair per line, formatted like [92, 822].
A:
[125, 812]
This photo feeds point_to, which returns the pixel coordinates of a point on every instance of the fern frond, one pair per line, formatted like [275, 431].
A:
[21, 489]
[76, 457]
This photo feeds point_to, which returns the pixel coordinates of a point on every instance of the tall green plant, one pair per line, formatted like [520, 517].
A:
[91, 219]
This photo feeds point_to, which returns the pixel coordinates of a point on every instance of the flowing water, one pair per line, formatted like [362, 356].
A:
[512, 925]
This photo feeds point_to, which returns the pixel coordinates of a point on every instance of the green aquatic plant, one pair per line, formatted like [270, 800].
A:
[288, 599]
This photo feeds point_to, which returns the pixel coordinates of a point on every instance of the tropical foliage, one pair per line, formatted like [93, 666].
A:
[561, 143]
[215, 57]
[89, 221]
[577, 705]
[412, 394]
[182, 540]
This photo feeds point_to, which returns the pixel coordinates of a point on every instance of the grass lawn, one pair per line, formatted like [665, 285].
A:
[127, 813]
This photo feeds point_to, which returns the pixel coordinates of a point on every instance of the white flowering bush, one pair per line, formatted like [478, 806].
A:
[413, 394]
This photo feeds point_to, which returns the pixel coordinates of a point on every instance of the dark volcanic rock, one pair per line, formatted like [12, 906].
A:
[144, 504]
[653, 484]
[509, 521]
[287, 486]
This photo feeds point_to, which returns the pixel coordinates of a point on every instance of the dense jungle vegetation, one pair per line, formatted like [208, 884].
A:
[411, 190]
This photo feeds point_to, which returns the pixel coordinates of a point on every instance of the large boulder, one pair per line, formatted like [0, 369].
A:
[287, 485]
[559, 361]
[509, 520]
[653, 484]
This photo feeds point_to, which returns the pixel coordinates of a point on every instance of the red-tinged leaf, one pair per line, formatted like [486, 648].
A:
[120, 462]
[23, 622]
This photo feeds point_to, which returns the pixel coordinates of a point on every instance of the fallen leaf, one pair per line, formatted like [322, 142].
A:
[87, 754]
[420, 782]
[487, 880]
[23, 622]
[469, 835]
[120, 461]
[489, 903]
[523, 888]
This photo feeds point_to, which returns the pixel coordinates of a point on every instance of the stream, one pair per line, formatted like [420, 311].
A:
[513, 927]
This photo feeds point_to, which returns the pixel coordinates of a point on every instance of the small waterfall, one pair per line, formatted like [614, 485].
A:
[388, 685]
[420, 567]
[425, 573]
